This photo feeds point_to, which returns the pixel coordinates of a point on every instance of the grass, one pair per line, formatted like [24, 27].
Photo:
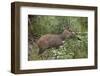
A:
[39, 25]
[71, 49]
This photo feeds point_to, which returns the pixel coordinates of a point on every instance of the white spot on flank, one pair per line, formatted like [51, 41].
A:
[63, 41]
[61, 46]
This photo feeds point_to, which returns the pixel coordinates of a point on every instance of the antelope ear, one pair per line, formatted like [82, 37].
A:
[66, 27]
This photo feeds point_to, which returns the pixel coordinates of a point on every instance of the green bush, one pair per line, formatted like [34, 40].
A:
[71, 49]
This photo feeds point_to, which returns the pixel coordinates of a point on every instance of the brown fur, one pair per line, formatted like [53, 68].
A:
[53, 40]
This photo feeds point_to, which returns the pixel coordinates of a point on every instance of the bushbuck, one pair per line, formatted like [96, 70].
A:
[53, 40]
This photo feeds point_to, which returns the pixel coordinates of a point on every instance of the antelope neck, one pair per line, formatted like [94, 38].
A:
[62, 36]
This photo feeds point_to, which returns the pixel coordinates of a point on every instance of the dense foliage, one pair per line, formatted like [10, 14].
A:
[72, 48]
